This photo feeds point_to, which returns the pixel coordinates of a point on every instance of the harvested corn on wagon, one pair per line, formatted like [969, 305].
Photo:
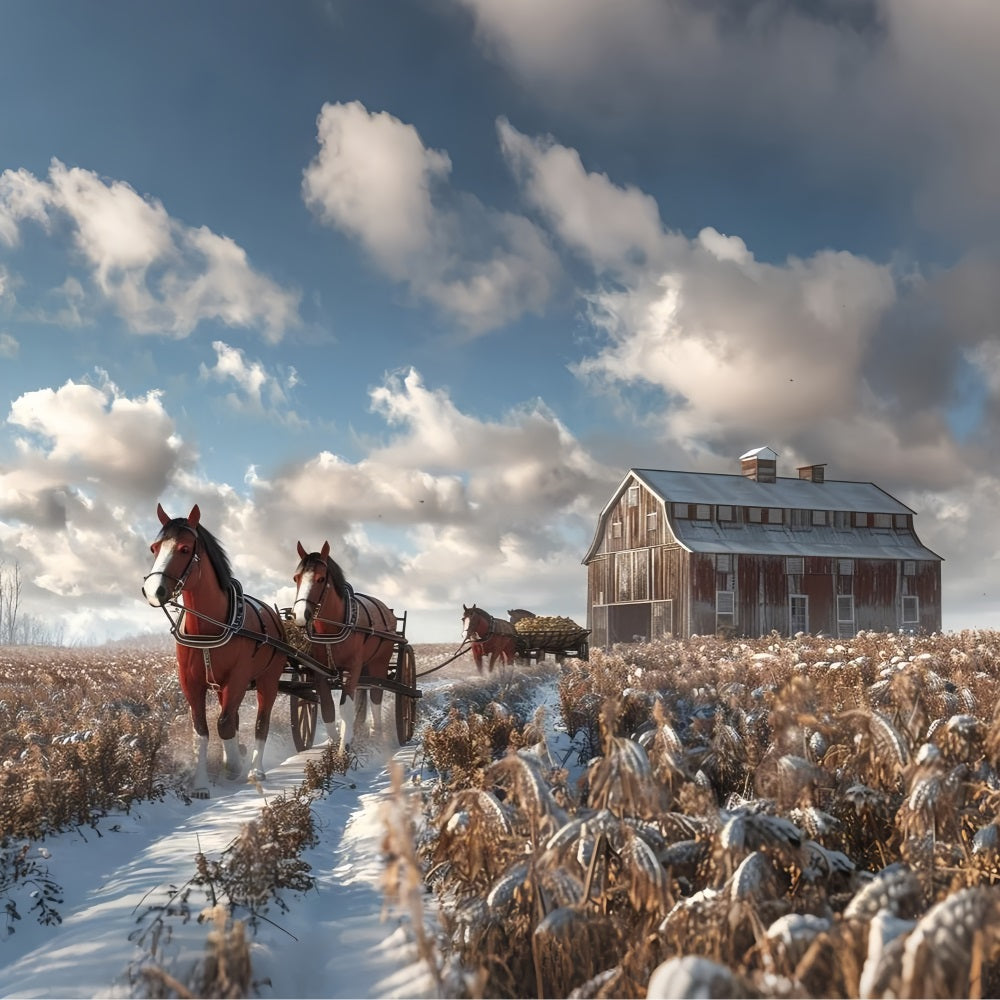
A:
[555, 635]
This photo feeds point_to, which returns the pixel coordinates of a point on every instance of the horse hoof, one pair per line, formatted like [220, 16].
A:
[199, 793]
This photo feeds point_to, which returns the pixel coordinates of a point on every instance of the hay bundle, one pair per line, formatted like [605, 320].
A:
[550, 631]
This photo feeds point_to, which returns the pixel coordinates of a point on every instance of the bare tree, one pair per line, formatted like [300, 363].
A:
[10, 600]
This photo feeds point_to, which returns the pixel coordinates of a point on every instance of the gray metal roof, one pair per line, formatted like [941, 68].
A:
[760, 539]
[787, 493]
[718, 487]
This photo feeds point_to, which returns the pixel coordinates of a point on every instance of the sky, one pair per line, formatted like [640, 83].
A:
[424, 280]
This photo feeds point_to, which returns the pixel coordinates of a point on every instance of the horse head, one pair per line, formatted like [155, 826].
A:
[311, 579]
[175, 554]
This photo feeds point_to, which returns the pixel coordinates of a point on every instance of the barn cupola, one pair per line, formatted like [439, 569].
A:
[760, 464]
[814, 473]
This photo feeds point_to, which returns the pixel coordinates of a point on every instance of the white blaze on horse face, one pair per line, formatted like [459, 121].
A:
[302, 591]
[157, 588]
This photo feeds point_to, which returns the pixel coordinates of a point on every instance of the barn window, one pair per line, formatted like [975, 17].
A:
[860, 520]
[911, 611]
[681, 510]
[883, 520]
[774, 515]
[725, 609]
[901, 520]
[755, 515]
[845, 616]
[724, 562]
[703, 512]
[616, 529]
[651, 523]
[845, 567]
[633, 496]
[798, 518]
[795, 565]
[842, 519]
[819, 518]
[724, 512]
[909, 567]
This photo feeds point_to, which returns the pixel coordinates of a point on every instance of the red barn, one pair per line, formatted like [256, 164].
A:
[697, 553]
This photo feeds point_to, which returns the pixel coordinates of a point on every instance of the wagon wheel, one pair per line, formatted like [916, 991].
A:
[304, 712]
[406, 705]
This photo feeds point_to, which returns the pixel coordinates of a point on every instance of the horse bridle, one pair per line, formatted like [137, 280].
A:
[345, 628]
[192, 562]
[489, 630]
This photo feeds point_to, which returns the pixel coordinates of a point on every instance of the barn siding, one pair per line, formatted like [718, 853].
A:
[630, 574]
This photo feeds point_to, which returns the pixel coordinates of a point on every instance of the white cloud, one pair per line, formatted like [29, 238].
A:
[9, 345]
[374, 179]
[93, 434]
[894, 92]
[259, 391]
[158, 274]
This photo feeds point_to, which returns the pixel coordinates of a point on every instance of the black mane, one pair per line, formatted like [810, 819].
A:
[210, 547]
[336, 574]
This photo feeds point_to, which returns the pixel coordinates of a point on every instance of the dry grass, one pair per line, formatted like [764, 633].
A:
[811, 818]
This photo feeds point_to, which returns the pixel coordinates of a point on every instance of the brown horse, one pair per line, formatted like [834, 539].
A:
[213, 649]
[494, 636]
[358, 631]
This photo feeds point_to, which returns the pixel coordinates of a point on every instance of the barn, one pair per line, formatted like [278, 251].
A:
[748, 553]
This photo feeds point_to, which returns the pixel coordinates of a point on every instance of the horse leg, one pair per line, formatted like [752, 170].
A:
[267, 691]
[228, 725]
[195, 695]
[477, 655]
[376, 700]
[347, 712]
[327, 709]
[361, 711]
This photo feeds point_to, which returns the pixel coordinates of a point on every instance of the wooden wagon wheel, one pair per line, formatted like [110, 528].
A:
[406, 705]
[304, 711]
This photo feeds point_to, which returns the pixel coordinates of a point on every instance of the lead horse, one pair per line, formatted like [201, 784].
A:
[357, 631]
[489, 635]
[214, 649]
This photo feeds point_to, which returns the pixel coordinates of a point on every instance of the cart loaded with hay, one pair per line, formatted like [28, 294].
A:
[538, 635]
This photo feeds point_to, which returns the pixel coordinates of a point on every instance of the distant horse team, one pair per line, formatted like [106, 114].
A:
[230, 642]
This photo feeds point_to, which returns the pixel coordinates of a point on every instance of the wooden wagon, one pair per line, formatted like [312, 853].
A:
[542, 635]
[299, 682]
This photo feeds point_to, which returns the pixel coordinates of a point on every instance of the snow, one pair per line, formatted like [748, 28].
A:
[332, 941]
[337, 940]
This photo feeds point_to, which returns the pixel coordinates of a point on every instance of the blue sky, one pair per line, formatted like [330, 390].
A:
[425, 279]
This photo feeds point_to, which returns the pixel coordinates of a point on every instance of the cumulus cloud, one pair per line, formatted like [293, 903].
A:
[374, 179]
[895, 93]
[257, 390]
[158, 274]
[83, 433]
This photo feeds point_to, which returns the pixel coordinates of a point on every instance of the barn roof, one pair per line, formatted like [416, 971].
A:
[764, 539]
[740, 491]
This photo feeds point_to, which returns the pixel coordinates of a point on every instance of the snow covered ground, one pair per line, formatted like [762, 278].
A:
[334, 941]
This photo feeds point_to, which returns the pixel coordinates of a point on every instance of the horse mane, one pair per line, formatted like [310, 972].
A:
[337, 577]
[211, 546]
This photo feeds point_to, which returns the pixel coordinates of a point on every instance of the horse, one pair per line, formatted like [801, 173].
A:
[358, 631]
[494, 636]
[214, 648]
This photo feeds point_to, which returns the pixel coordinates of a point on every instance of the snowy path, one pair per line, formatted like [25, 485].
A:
[331, 943]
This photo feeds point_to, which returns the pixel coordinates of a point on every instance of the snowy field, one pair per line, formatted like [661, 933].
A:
[335, 941]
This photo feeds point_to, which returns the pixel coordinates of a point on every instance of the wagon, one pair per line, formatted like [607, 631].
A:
[538, 636]
[299, 682]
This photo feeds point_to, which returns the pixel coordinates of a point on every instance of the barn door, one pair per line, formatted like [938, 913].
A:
[798, 613]
[845, 616]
